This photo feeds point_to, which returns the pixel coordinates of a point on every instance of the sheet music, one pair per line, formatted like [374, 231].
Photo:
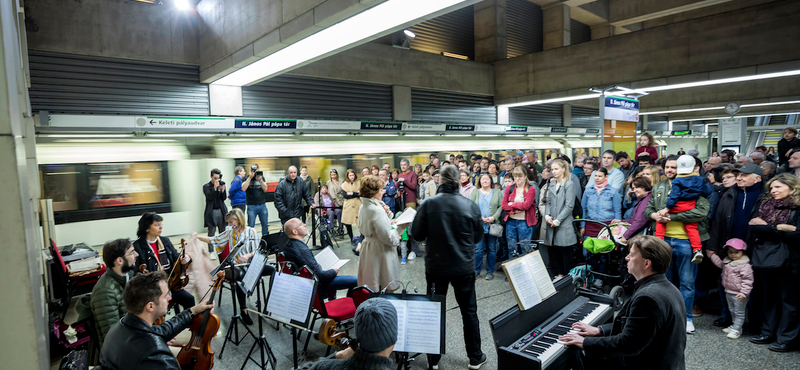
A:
[519, 274]
[407, 217]
[418, 326]
[327, 259]
[540, 275]
[290, 297]
[252, 275]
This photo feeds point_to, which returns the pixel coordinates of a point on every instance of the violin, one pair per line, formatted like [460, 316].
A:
[160, 320]
[197, 353]
[178, 276]
[328, 335]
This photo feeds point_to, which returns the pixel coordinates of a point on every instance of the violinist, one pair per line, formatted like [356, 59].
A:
[237, 231]
[157, 253]
[135, 343]
[376, 327]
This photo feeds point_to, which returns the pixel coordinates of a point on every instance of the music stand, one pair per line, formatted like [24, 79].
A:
[423, 331]
[251, 282]
[233, 330]
[290, 301]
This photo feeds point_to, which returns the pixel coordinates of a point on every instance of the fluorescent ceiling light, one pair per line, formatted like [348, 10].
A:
[553, 100]
[515, 135]
[721, 108]
[456, 135]
[728, 117]
[487, 135]
[454, 55]
[86, 136]
[573, 135]
[535, 135]
[183, 4]
[353, 31]
[380, 135]
[324, 134]
[772, 103]
[181, 135]
[420, 135]
[265, 135]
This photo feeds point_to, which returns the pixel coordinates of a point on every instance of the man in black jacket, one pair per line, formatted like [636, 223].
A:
[650, 330]
[214, 214]
[788, 145]
[289, 196]
[452, 226]
[135, 343]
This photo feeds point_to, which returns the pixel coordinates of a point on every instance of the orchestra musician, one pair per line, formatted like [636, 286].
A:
[650, 330]
[135, 343]
[376, 326]
[157, 253]
[106, 301]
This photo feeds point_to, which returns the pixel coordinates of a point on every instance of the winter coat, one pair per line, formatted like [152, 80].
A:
[638, 219]
[388, 196]
[352, 203]
[237, 196]
[148, 258]
[106, 302]
[318, 201]
[335, 190]
[311, 185]
[559, 202]
[722, 222]
[466, 190]
[213, 196]
[768, 245]
[378, 265]
[529, 205]
[737, 276]
[289, 197]
[133, 345]
[699, 214]
[430, 189]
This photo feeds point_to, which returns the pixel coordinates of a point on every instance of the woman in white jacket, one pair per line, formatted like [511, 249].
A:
[379, 265]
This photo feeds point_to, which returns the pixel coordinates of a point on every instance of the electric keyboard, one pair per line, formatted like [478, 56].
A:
[529, 339]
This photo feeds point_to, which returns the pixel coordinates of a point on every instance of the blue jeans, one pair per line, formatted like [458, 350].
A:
[682, 272]
[489, 242]
[261, 211]
[338, 283]
[518, 231]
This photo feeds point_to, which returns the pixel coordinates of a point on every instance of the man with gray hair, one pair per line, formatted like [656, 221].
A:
[452, 226]
[757, 158]
[711, 164]
[289, 195]
[693, 152]
[769, 168]
[743, 160]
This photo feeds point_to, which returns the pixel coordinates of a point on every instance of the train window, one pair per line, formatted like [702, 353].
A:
[84, 192]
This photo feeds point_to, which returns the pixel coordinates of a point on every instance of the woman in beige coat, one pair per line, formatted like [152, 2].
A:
[350, 188]
[379, 264]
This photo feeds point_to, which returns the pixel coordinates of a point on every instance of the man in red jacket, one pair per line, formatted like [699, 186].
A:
[408, 179]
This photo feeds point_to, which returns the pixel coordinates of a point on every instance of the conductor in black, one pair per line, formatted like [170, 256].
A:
[650, 330]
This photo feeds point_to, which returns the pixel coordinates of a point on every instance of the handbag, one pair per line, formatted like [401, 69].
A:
[770, 254]
[496, 230]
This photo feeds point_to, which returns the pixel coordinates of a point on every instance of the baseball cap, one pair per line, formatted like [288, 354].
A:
[736, 243]
[751, 168]
[686, 164]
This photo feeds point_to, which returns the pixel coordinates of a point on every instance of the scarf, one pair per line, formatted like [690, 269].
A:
[600, 187]
[465, 183]
[775, 211]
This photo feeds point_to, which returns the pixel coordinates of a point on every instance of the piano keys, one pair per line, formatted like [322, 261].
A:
[529, 339]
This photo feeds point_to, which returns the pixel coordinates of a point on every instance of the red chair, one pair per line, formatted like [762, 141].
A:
[361, 294]
[70, 284]
[338, 310]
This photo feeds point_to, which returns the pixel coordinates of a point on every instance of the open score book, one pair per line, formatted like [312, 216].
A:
[529, 280]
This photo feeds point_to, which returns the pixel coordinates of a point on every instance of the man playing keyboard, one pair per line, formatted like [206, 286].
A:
[649, 331]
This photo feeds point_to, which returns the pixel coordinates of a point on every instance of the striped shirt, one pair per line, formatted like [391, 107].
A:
[229, 238]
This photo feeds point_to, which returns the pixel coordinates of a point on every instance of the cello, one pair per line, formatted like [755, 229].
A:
[328, 335]
[178, 276]
[197, 353]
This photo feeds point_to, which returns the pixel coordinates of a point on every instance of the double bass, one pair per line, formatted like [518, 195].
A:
[328, 335]
[197, 353]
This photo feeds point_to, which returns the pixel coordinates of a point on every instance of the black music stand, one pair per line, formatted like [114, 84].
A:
[233, 330]
[285, 295]
[251, 282]
[405, 358]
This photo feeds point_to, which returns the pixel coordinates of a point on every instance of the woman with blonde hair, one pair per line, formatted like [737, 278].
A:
[378, 266]
[335, 190]
[350, 192]
[775, 260]
[519, 202]
[559, 234]
[653, 173]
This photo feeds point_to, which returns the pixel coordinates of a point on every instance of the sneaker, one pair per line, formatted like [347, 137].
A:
[734, 334]
[411, 256]
[402, 261]
[727, 330]
[489, 276]
[689, 327]
[477, 275]
[697, 257]
[696, 311]
[433, 367]
[477, 365]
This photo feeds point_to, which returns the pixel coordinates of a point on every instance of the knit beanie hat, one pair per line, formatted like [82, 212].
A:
[376, 325]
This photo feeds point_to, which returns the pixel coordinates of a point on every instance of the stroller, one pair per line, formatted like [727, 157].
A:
[603, 249]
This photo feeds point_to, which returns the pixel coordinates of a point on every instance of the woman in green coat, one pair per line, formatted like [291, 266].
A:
[488, 200]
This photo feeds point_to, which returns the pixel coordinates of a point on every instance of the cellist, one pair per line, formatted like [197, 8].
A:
[135, 343]
[157, 253]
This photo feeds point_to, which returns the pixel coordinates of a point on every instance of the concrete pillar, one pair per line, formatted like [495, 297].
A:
[600, 32]
[225, 100]
[401, 103]
[566, 115]
[556, 26]
[502, 115]
[25, 345]
[644, 120]
[490, 31]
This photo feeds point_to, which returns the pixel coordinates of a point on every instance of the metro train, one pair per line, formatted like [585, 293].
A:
[100, 186]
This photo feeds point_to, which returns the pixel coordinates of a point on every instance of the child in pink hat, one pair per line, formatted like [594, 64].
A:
[737, 278]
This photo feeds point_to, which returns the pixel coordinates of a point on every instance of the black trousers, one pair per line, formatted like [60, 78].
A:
[561, 260]
[241, 296]
[183, 299]
[305, 212]
[779, 288]
[464, 290]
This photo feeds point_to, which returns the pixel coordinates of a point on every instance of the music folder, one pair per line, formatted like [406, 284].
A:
[328, 259]
[420, 323]
[529, 279]
[290, 298]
